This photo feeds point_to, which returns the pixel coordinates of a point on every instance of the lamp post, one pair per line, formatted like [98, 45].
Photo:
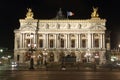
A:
[119, 47]
[31, 49]
[9, 57]
[45, 57]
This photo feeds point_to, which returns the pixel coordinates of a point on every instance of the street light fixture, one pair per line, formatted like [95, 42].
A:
[119, 47]
[9, 57]
[31, 49]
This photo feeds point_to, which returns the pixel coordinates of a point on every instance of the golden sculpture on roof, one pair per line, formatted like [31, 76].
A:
[95, 13]
[29, 14]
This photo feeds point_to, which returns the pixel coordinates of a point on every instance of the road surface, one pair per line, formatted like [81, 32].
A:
[58, 75]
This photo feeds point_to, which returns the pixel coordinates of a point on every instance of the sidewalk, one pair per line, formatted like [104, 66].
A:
[44, 68]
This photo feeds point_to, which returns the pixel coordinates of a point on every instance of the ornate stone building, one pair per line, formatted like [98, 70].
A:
[53, 39]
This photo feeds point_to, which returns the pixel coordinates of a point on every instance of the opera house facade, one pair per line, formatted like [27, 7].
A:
[52, 39]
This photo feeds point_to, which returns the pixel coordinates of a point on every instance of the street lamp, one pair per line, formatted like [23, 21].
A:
[31, 49]
[9, 57]
[45, 57]
[119, 47]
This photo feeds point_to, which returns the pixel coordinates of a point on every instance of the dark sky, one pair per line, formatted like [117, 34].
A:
[13, 10]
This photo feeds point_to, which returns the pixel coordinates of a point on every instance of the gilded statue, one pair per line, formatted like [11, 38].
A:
[94, 13]
[29, 13]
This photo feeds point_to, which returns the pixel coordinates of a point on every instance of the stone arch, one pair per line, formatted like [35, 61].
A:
[39, 57]
[27, 56]
[62, 54]
[51, 57]
[72, 54]
[83, 57]
[96, 56]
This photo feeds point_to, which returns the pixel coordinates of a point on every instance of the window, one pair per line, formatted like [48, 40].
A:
[41, 43]
[51, 43]
[83, 43]
[96, 43]
[27, 42]
[18, 43]
[73, 43]
[62, 43]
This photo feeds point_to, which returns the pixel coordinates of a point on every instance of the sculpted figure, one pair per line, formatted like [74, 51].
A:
[94, 13]
[29, 13]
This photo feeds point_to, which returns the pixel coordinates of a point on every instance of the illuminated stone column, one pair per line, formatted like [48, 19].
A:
[55, 38]
[56, 57]
[68, 41]
[89, 40]
[46, 40]
[25, 40]
[16, 42]
[77, 41]
[21, 40]
[65, 40]
[103, 40]
[99, 41]
[33, 38]
[92, 40]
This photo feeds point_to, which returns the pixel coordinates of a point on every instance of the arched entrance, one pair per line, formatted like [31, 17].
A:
[86, 57]
[27, 56]
[97, 57]
[61, 56]
[83, 57]
[51, 57]
[40, 58]
[72, 54]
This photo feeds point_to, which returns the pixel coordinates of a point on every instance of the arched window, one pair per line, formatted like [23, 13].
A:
[96, 43]
[83, 43]
[73, 43]
[62, 43]
[41, 43]
[96, 40]
[51, 43]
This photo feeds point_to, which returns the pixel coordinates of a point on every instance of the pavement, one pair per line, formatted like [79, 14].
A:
[56, 69]
[67, 68]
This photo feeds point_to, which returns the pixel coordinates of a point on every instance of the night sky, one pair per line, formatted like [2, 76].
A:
[13, 10]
